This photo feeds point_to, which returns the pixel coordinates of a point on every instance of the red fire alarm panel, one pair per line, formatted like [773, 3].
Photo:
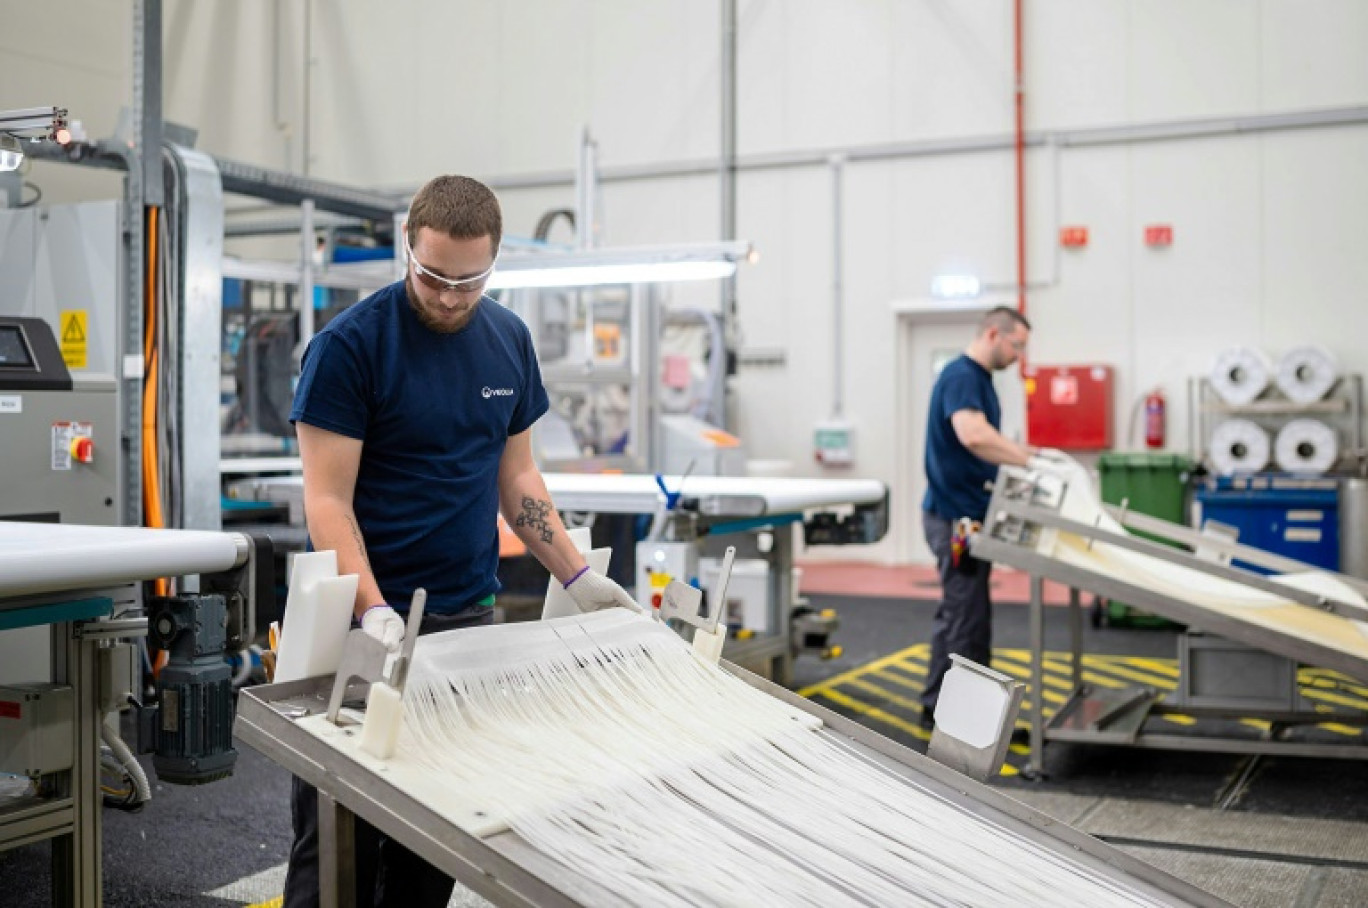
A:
[1069, 406]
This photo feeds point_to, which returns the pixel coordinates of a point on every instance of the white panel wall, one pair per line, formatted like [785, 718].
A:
[1268, 227]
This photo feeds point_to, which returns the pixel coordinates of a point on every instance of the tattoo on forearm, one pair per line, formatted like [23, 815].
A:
[360, 543]
[534, 515]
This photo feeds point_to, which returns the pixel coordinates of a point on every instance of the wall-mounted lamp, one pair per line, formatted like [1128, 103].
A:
[955, 287]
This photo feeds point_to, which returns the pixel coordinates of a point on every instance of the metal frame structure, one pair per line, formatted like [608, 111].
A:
[507, 870]
[84, 583]
[1016, 517]
[1342, 406]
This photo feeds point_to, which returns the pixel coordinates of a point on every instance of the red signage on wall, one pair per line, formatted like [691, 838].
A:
[1159, 235]
[1073, 237]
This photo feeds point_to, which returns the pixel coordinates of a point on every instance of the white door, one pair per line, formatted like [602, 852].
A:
[924, 348]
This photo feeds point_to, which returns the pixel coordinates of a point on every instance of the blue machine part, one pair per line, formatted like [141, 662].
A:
[362, 253]
[1294, 518]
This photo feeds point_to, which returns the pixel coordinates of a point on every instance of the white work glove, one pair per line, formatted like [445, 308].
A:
[593, 591]
[385, 625]
[1050, 460]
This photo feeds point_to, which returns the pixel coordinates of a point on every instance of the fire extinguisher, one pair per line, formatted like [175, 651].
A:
[1154, 419]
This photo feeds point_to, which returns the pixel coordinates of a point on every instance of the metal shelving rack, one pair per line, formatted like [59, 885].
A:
[1342, 408]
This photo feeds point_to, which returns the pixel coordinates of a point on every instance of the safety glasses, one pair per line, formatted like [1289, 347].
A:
[439, 283]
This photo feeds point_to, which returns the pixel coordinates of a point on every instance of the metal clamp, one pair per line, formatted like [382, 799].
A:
[363, 658]
[686, 602]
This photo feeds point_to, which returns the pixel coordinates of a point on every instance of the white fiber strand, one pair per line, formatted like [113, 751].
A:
[605, 744]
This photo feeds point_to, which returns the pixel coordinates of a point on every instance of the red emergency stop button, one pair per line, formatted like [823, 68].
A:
[83, 449]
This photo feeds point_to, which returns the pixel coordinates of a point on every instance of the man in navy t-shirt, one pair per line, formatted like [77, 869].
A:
[963, 450]
[413, 412]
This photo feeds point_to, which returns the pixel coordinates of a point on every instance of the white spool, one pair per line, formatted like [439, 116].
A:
[1240, 374]
[1306, 374]
[1306, 446]
[1239, 446]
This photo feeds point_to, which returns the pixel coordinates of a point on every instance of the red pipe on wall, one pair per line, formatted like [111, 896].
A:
[1020, 98]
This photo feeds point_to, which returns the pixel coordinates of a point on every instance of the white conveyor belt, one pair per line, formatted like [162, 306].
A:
[49, 557]
[719, 496]
[637, 493]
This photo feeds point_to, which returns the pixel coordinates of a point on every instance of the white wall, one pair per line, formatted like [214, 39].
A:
[1268, 226]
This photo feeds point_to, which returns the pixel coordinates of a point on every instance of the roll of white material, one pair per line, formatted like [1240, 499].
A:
[1240, 374]
[1306, 374]
[1239, 446]
[1306, 446]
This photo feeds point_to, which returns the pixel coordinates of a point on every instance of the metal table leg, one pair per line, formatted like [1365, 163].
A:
[1036, 766]
[76, 857]
[1076, 636]
[336, 854]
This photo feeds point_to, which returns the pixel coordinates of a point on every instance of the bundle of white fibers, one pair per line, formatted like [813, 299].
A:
[606, 744]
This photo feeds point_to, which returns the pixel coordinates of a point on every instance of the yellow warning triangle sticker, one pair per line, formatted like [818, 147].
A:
[72, 332]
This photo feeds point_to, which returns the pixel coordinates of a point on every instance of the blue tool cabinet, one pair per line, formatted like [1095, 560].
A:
[1297, 518]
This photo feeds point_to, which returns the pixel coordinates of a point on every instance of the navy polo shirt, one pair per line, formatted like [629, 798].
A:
[434, 412]
[955, 477]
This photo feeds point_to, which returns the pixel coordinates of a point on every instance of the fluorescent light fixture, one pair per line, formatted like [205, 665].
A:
[588, 275]
[625, 265]
[11, 153]
[955, 287]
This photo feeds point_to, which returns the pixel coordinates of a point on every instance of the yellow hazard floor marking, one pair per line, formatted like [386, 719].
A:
[886, 675]
[277, 902]
[1313, 693]
[874, 712]
[1341, 729]
[906, 669]
[1020, 670]
[1319, 677]
[912, 668]
[887, 695]
[1167, 668]
[921, 651]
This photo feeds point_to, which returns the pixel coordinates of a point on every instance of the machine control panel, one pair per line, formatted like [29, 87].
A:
[30, 359]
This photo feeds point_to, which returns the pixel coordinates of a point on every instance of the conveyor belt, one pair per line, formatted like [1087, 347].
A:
[636, 493]
[1059, 532]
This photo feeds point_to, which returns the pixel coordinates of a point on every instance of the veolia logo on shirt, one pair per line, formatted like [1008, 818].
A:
[488, 392]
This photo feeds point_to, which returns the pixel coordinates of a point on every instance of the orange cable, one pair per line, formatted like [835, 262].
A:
[152, 503]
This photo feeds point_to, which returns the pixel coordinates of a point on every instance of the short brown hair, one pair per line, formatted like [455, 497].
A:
[460, 207]
[1003, 318]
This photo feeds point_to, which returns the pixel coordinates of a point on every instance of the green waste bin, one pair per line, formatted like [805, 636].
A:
[1151, 483]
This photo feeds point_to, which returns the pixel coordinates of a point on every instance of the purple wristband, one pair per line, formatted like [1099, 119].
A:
[578, 574]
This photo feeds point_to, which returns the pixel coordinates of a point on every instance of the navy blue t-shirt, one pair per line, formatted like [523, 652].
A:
[434, 412]
[955, 477]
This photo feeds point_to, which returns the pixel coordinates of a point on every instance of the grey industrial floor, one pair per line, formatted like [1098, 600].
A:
[1265, 832]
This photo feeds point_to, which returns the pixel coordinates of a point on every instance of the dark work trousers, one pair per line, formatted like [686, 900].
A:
[387, 873]
[964, 621]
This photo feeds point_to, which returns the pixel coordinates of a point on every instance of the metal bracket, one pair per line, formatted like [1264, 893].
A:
[686, 602]
[363, 658]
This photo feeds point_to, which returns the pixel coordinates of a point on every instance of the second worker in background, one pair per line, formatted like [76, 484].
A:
[964, 447]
